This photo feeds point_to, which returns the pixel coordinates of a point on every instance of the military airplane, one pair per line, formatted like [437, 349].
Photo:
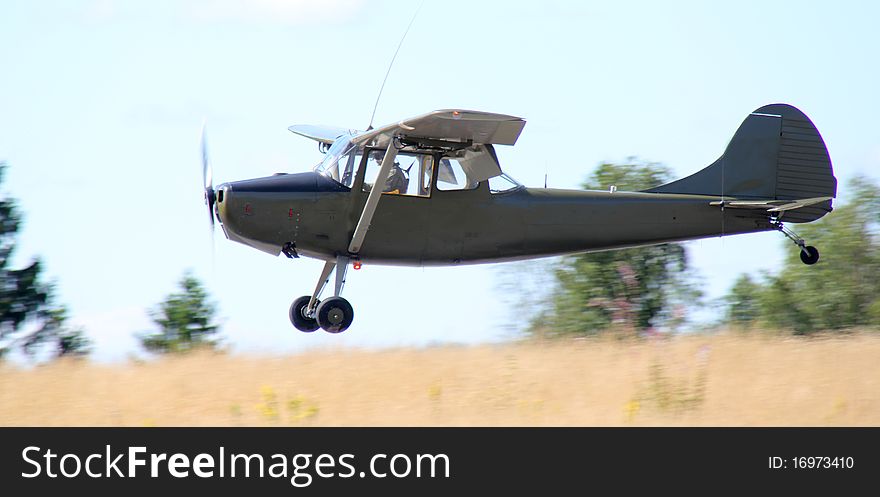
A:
[429, 191]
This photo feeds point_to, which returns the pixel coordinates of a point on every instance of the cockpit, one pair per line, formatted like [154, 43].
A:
[414, 167]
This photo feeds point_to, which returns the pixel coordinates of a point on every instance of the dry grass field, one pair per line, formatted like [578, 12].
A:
[721, 380]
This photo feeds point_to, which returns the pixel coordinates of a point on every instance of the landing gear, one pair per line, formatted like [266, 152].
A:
[809, 254]
[300, 318]
[333, 315]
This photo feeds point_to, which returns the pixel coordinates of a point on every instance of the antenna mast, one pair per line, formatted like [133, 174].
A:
[391, 64]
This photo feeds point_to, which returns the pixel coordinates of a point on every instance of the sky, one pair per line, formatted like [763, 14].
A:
[102, 101]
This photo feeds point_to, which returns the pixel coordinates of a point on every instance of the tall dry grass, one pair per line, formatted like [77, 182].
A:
[726, 380]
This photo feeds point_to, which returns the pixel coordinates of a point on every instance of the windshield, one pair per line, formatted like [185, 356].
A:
[335, 168]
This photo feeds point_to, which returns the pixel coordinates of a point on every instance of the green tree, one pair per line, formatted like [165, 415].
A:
[843, 289]
[185, 319]
[65, 341]
[28, 314]
[630, 289]
[743, 302]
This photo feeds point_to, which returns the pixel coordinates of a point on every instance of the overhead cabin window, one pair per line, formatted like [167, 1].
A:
[410, 175]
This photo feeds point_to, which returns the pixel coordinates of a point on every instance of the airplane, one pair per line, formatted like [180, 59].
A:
[430, 191]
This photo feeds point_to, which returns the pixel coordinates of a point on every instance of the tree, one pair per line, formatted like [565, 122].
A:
[843, 289]
[185, 318]
[630, 289]
[743, 302]
[26, 300]
[66, 341]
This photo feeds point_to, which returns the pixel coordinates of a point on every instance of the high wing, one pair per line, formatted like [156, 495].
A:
[465, 126]
[771, 205]
[322, 134]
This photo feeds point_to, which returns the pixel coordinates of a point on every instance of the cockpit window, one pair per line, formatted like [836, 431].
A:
[341, 161]
[452, 176]
[411, 173]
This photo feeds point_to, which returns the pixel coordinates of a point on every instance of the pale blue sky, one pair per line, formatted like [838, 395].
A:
[101, 102]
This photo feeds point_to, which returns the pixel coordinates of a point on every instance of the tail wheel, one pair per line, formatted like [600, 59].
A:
[809, 255]
[299, 317]
[335, 315]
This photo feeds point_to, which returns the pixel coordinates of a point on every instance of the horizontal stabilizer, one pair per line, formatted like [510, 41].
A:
[771, 205]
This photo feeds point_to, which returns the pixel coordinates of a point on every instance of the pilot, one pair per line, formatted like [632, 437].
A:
[397, 181]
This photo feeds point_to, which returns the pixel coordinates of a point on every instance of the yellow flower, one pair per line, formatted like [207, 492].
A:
[631, 408]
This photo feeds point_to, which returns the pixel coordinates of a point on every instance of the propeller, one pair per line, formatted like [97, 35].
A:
[208, 194]
[208, 179]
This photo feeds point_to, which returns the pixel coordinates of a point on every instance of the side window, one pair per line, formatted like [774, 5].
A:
[410, 175]
[451, 176]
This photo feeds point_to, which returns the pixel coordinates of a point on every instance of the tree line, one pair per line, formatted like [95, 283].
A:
[32, 319]
[639, 290]
[842, 291]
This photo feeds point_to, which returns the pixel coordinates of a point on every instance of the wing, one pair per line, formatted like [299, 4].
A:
[770, 205]
[323, 134]
[466, 126]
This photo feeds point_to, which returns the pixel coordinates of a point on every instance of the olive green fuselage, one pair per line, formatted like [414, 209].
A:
[473, 226]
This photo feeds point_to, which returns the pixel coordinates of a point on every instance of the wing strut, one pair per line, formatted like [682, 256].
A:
[357, 239]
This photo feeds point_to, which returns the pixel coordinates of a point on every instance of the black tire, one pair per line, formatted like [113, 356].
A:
[811, 256]
[335, 315]
[298, 318]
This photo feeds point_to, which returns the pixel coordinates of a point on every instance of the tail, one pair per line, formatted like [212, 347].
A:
[776, 155]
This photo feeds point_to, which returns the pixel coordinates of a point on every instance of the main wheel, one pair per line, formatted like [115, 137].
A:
[298, 316]
[811, 256]
[335, 315]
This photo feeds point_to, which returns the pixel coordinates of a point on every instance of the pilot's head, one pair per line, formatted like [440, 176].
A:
[379, 156]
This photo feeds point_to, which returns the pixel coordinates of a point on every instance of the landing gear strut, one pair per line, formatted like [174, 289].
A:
[334, 314]
[809, 254]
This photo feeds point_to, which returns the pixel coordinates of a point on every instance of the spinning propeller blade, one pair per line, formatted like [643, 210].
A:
[207, 179]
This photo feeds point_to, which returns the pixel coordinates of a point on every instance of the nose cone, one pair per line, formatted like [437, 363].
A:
[234, 215]
[250, 211]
